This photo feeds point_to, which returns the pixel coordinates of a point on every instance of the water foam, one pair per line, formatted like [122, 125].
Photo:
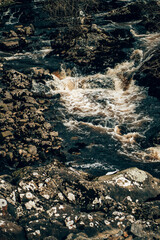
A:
[109, 102]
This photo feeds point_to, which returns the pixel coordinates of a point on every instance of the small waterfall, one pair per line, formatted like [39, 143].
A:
[111, 103]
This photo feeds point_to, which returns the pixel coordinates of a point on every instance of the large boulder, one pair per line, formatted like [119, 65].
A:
[133, 182]
[25, 136]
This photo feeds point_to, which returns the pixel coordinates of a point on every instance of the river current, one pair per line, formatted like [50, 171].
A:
[106, 120]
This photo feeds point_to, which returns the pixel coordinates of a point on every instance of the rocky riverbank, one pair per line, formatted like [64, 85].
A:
[55, 202]
[41, 198]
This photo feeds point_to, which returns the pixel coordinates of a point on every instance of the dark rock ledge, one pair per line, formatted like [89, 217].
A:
[55, 202]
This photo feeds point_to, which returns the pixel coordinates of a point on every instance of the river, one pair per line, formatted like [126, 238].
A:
[105, 119]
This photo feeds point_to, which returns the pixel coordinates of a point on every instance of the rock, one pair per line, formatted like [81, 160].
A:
[137, 229]
[20, 31]
[7, 96]
[47, 125]
[148, 74]
[24, 122]
[61, 202]
[10, 230]
[29, 30]
[9, 44]
[32, 150]
[92, 47]
[30, 100]
[16, 79]
[5, 134]
[125, 14]
[131, 182]
[39, 72]
[1, 66]
[3, 107]
[12, 34]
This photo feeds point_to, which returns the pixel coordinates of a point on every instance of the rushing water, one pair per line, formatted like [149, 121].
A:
[106, 120]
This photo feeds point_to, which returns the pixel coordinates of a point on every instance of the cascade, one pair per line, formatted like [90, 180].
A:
[111, 104]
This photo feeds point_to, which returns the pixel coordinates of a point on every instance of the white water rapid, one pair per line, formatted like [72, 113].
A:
[110, 103]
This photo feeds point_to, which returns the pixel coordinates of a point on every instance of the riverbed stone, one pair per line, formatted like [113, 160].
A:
[9, 44]
[32, 149]
[5, 134]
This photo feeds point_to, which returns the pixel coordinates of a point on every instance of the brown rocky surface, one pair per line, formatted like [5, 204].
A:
[149, 74]
[90, 46]
[25, 135]
[16, 39]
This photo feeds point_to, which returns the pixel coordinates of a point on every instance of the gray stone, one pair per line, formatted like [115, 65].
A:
[137, 229]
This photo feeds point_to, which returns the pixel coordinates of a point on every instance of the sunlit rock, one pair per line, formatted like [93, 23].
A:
[134, 182]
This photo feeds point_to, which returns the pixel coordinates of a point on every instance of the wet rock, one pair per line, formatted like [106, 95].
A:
[126, 13]
[147, 12]
[29, 137]
[61, 202]
[156, 139]
[7, 97]
[10, 230]
[65, 190]
[1, 66]
[9, 44]
[37, 72]
[90, 46]
[148, 75]
[137, 229]
[29, 30]
[12, 33]
[20, 31]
